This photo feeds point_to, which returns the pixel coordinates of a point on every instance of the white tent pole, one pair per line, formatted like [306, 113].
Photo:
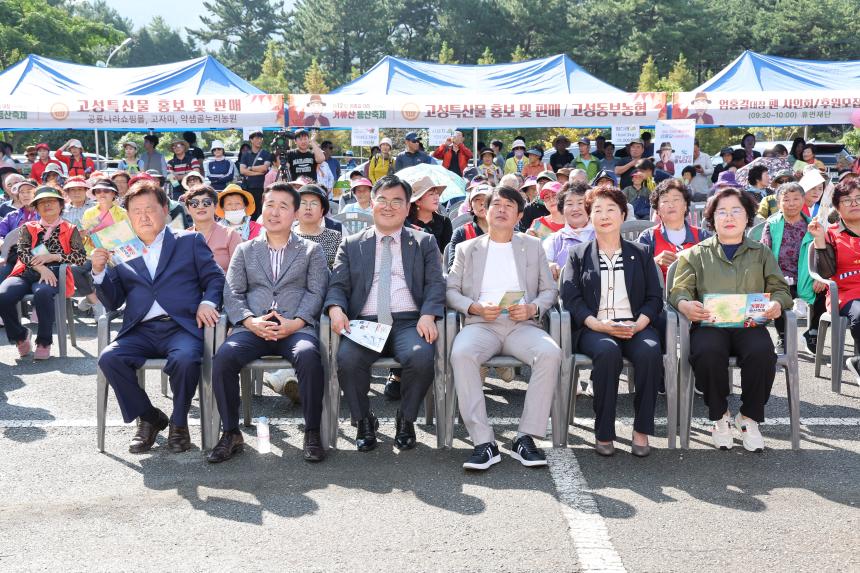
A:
[96, 138]
[475, 145]
[107, 153]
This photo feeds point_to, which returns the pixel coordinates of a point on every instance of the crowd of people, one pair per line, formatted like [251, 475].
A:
[268, 254]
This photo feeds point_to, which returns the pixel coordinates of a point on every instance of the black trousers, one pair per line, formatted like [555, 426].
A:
[257, 193]
[300, 348]
[710, 348]
[83, 278]
[606, 354]
[12, 290]
[415, 355]
[852, 312]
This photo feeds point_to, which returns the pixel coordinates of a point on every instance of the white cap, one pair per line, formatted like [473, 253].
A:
[518, 143]
[811, 179]
[75, 143]
[217, 144]
[386, 140]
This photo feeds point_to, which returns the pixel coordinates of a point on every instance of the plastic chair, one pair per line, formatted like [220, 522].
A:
[353, 222]
[840, 328]
[434, 402]
[630, 230]
[755, 232]
[208, 409]
[787, 361]
[64, 314]
[553, 324]
[461, 220]
[251, 377]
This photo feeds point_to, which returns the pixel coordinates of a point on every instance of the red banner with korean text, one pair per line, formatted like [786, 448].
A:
[767, 108]
[141, 113]
[582, 110]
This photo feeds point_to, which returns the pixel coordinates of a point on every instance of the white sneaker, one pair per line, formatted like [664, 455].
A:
[721, 433]
[753, 440]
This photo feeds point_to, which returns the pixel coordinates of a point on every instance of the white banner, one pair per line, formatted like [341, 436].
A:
[673, 144]
[623, 134]
[766, 108]
[481, 111]
[141, 113]
[438, 135]
[365, 136]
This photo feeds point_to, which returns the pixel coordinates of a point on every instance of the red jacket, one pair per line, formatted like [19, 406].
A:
[444, 152]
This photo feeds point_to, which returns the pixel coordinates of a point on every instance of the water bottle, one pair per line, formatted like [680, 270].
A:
[264, 446]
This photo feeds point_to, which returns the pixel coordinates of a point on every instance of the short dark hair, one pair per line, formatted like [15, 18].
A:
[497, 143]
[745, 198]
[644, 165]
[190, 137]
[152, 138]
[612, 193]
[146, 187]
[608, 143]
[327, 143]
[389, 182]
[254, 134]
[603, 137]
[756, 173]
[739, 155]
[667, 185]
[780, 149]
[646, 136]
[689, 169]
[744, 138]
[283, 187]
[509, 193]
[568, 189]
[844, 189]
[810, 147]
[202, 190]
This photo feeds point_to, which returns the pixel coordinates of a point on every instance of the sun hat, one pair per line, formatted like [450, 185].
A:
[46, 192]
[421, 186]
[234, 189]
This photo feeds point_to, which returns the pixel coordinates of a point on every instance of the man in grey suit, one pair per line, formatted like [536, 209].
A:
[273, 295]
[392, 275]
[485, 270]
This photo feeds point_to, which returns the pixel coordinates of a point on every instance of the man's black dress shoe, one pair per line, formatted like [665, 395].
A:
[392, 387]
[178, 439]
[365, 438]
[146, 433]
[313, 449]
[229, 444]
[404, 437]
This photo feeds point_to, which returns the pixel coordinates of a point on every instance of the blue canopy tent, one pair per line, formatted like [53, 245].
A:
[758, 89]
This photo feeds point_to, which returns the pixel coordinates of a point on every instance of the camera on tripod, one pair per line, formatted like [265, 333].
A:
[279, 146]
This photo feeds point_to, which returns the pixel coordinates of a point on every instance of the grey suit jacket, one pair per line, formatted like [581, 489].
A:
[470, 260]
[352, 274]
[299, 292]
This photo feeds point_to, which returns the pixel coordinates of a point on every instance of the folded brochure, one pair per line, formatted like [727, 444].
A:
[120, 239]
[369, 334]
[541, 229]
[511, 298]
[736, 310]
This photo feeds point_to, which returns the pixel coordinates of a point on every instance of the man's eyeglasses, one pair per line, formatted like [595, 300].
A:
[311, 204]
[195, 203]
[393, 204]
[849, 201]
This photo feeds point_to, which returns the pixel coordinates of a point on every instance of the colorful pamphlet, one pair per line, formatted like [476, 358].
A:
[510, 298]
[40, 249]
[736, 310]
[541, 229]
[120, 239]
[372, 335]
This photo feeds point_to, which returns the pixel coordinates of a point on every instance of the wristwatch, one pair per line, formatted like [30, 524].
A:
[537, 313]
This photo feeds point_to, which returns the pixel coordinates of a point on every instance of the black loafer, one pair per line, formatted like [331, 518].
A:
[313, 448]
[178, 439]
[144, 439]
[392, 388]
[229, 444]
[365, 439]
[404, 437]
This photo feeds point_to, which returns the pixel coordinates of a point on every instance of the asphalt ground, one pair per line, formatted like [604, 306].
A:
[67, 507]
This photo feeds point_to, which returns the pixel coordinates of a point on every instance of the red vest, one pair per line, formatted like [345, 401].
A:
[66, 231]
[847, 274]
[661, 244]
[469, 231]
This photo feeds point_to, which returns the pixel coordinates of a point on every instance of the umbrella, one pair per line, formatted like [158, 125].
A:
[455, 186]
[774, 166]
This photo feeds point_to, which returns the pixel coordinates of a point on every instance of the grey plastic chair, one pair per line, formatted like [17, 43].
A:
[786, 361]
[754, 233]
[251, 377]
[552, 324]
[208, 410]
[630, 230]
[64, 314]
[461, 220]
[839, 328]
[353, 222]
[434, 402]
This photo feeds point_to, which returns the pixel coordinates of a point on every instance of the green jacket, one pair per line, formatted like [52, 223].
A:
[776, 225]
[592, 169]
[703, 269]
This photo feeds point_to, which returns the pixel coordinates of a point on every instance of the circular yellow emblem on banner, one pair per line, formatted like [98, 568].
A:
[410, 111]
[60, 111]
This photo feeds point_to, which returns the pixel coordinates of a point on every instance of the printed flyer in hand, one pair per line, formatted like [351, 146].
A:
[736, 310]
[120, 239]
[369, 334]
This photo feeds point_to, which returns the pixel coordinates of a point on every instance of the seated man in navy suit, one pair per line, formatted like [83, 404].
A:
[170, 293]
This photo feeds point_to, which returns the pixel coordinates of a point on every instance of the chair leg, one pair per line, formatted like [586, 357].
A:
[60, 319]
[257, 376]
[560, 404]
[70, 315]
[141, 378]
[837, 344]
[670, 371]
[101, 409]
[685, 404]
[245, 383]
[823, 326]
[429, 401]
[165, 384]
[792, 382]
[574, 382]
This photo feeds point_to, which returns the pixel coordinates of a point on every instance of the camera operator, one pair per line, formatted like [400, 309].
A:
[303, 160]
[253, 165]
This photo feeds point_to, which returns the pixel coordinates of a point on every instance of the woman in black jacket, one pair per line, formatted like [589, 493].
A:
[612, 291]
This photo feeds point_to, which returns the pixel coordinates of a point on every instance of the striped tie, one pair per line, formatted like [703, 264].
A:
[383, 293]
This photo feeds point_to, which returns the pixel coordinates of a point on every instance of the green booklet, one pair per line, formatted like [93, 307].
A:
[736, 310]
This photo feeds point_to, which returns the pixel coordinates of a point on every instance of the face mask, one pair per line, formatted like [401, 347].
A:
[518, 153]
[234, 217]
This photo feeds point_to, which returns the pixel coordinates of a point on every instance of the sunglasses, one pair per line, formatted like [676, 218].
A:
[195, 203]
[100, 190]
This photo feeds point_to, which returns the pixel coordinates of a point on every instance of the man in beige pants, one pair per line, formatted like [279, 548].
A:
[485, 270]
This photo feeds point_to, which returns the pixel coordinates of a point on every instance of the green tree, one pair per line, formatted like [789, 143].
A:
[649, 77]
[519, 54]
[272, 78]
[242, 28]
[315, 79]
[487, 58]
[446, 54]
[156, 43]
